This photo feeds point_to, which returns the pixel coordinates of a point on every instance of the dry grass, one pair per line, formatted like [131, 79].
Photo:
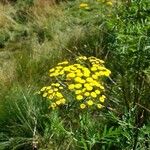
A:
[45, 17]
[7, 68]
[5, 18]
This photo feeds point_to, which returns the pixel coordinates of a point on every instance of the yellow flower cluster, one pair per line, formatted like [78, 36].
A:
[84, 6]
[109, 3]
[54, 94]
[83, 79]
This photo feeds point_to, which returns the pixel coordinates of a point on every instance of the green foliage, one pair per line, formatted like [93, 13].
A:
[130, 54]
[4, 36]
[39, 37]
[130, 50]
[92, 40]
[29, 122]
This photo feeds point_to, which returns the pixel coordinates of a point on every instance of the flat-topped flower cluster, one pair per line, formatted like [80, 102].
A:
[87, 6]
[83, 79]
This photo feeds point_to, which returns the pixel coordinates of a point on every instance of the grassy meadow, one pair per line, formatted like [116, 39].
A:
[74, 75]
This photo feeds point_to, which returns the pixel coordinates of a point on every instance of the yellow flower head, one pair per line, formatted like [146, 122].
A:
[93, 69]
[102, 98]
[109, 3]
[58, 102]
[89, 79]
[66, 68]
[48, 87]
[55, 89]
[50, 91]
[71, 87]
[94, 76]
[61, 88]
[82, 5]
[99, 106]
[63, 63]
[97, 91]
[57, 84]
[77, 79]
[71, 75]
[107, 73]
[50, 97]
[78, 92]
[82, 106]
[45, 94]
[87, 8]
[73, 68]
[78, 86]
[83, 90]
[86, 72]
[79, 97]
[101, 87]
[58, 68]
[93, 94]
[78, 73]
[86, 94]
[88, 86]
[43, 89]
[62, 101]
[53, 105]
[59, 95]
[90, 102]
[52, 70]
[82, 81]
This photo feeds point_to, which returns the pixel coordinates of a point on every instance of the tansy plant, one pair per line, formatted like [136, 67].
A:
[84, 6]
[83, 80]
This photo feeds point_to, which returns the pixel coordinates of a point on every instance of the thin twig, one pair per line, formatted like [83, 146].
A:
[143, 107]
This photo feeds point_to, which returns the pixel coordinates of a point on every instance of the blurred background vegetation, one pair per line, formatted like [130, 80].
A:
[37, 34]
